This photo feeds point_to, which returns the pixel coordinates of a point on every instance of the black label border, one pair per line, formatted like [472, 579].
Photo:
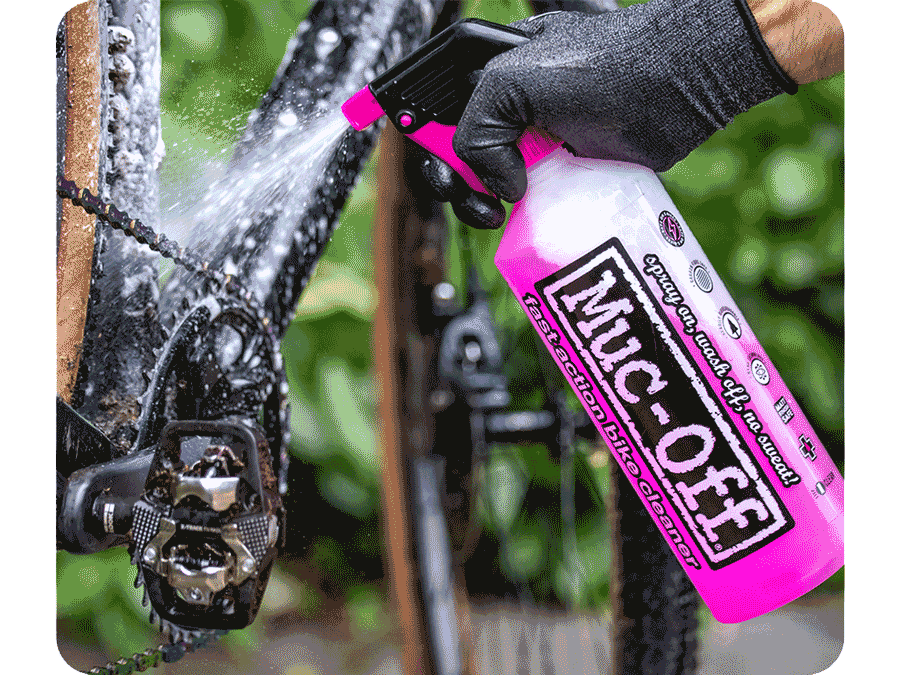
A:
[613, 249]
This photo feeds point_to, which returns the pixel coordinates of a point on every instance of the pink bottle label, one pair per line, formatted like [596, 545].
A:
[632, 358]
[677, 384]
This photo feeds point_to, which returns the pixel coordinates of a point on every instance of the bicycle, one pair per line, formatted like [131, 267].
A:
[179, 450]
[424, 293]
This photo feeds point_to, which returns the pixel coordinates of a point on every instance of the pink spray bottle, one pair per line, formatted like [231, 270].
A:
[655, 347]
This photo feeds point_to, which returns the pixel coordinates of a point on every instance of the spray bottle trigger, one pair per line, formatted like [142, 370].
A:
[535, 144]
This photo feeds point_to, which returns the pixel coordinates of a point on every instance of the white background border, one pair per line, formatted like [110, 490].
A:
[28, 421]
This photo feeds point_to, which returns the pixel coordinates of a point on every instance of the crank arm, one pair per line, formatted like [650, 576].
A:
[79, 529]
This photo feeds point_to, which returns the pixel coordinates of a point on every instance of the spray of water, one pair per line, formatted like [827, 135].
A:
[249, 208]
[256, 210]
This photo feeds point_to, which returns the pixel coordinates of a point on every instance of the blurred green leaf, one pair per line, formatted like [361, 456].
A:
[367, 611]
[750, 260]
[795, 180]
[792, 338]
[349, 405]
[499, 11]
[527, 554]
[282, 593]
[334, 288]
[306, 430]
[120, 628]
[796, 264]
[346, 494]
[710, 169]
[77, 583]
[195, 28]
[505, 489]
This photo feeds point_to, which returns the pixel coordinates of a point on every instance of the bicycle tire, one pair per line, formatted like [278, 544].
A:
[654, 604]
[79, 104]
[655, 622]
[79, 97]
[115, 329]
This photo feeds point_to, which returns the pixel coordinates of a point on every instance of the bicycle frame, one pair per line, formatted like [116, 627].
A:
[280, 296]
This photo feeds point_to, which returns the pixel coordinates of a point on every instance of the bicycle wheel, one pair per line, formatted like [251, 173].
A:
[427, 441]
[79, 94]
[411, 269]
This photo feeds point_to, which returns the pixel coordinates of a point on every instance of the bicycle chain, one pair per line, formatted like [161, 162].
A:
[144, 234]
[168, 248]
[226, 283]
[153, 657]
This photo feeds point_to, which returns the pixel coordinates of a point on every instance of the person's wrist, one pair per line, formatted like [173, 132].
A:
[768, 23]
[805, 38]
[776, 20]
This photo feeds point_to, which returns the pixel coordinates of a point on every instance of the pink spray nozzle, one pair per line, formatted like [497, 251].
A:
[362, 109]
[433, 83]
[425, 93]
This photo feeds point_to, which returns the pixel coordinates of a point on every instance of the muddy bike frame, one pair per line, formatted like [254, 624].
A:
[410, 235]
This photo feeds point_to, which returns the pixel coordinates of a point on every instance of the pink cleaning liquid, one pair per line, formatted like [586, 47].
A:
[676, 382]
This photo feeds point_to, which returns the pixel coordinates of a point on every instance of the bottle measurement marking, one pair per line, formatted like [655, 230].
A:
[730, 324]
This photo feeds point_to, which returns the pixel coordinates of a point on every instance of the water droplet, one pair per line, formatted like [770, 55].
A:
[288, 118]
[326, 40]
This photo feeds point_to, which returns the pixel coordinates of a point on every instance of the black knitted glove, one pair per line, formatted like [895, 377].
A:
[646, 84]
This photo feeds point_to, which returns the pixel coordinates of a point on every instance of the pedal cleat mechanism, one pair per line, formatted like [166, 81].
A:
[208, 526]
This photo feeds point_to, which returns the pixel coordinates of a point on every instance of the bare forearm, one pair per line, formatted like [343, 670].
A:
[806, 38]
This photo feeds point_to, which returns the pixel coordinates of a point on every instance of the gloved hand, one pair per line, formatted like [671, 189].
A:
[646, 84]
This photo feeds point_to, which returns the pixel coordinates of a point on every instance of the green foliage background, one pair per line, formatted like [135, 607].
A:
[764, 197]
